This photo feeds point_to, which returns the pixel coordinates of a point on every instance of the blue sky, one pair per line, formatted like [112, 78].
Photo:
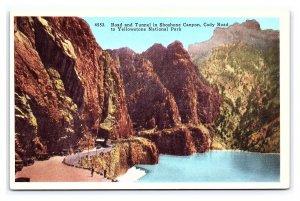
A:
[141, 41]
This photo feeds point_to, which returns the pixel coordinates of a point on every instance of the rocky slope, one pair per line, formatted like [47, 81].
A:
[242, 62]
[67, 89]
[167, 97]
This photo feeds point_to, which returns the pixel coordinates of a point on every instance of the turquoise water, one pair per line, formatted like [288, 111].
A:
[214, 166]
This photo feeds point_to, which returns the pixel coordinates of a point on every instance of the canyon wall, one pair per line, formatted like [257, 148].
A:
[242, 63]
[167, 98]
[222, 93]
[67, 89]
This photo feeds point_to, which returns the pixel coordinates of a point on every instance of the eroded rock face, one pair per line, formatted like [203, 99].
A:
[196, 101]
[179, 140]
[150, 104]
[164, 91]
[242, 62]
[66, 87]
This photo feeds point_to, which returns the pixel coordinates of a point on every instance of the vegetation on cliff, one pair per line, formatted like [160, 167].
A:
[246, 74]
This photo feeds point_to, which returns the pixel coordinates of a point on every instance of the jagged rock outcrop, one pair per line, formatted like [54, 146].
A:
[179, 140]
[150, 104]
[164, 91]
[197, 102]
[124, 155]
[67, 89]
[242, 62]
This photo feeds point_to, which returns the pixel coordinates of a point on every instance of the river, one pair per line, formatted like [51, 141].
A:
[214, 166]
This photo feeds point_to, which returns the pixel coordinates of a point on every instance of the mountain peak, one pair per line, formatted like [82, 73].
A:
[177, 52]
[251, 24]
[156, 47]
[123, 51]
[176, 44]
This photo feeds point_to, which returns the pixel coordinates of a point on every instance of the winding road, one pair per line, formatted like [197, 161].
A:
[54, 170]
[73, 159]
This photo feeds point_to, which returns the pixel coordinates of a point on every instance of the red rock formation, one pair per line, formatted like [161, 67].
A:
[165, 90]
[150, 104]
[179, 140]
[66, 86]
[197, 102]
[68, 89]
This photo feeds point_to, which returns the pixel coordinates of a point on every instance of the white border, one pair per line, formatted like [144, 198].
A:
[284, 17]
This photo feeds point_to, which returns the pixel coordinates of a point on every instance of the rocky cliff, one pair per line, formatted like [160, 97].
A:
[197, 102]
[150, 104]
[125, 154]
[67, 89]
[167, 97]
[242, 62]
[180, 140]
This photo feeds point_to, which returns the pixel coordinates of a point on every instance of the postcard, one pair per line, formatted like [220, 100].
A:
[149, 100]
